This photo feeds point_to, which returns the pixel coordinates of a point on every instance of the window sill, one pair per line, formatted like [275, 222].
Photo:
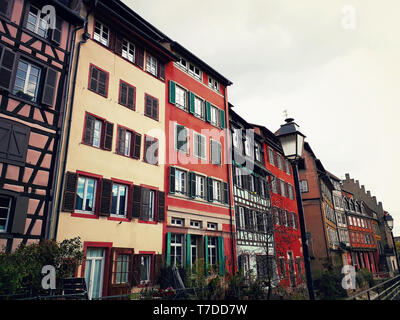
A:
[115, 218]
[155, 119]
[101, 95]
[84, 215]
[147, 222]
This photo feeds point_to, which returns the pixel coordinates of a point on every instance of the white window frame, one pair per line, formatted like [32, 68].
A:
[200, 186]
[39, 25]
[238, 177]
[147, 265]
[178, 222]
[212, 226]
[97, 129]
[26, 80]
[179, 179]
[85, 195]
[242, 220]
[213, 84]
[198, 101]
[176, 244]
[120, 186]
[151, 64]
[127, 54]
[212, 247]
[271, 156]
[152, 203]
[181, 94]
[128, 140]
[217, 194]
[193, 72]
[196, 139]
[214, 111]
[235, 137]
[195, 224]
[257, 151]
[100, 36]
[176, 138]
[8, 213]
[219, 160]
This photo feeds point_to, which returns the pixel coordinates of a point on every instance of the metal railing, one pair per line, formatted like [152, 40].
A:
[387, 290]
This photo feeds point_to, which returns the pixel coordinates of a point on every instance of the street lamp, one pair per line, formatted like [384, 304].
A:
[292, 141]
[389, 221]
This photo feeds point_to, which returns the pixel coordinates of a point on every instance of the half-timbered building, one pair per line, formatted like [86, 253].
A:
[252, 202]
[35, 46]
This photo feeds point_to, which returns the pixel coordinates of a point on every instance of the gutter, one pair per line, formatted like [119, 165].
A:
[48, 232]
[85, 37]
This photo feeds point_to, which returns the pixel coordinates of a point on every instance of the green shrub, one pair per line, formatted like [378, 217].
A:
[365, 278]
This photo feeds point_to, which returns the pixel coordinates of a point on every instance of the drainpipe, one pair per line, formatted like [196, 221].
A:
[57, 168]
[227, 141]
[85, 37]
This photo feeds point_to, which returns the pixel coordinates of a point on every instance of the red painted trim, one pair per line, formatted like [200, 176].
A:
[149, 187]
[134, 95]
[107, 246]
[110, 218]
[85, 215]
[90, 75]
[119, 181]
[148, 222]
[88, 174]
[158, 107]
[147, 252]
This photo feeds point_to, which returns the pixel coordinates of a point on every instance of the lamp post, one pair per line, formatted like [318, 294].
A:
[389, 221]
[292, 141]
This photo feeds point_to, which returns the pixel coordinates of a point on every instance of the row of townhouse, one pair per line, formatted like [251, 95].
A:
[343, 222]
[113, 132]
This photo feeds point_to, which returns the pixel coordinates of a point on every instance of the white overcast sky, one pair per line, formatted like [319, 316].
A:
[337, 76]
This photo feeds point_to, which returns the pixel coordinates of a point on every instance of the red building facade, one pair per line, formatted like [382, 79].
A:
[363, 242]
[198, 223]
[288, 245]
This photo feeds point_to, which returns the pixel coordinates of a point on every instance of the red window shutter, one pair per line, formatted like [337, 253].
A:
[108, 137]
[71, 181]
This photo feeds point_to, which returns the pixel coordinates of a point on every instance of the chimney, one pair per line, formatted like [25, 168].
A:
[374, 200]
[369, 193]
[358, 184]
[347, 176]
[363, 189]
[380, 205]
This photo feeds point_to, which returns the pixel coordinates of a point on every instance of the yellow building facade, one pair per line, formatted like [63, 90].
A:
[112, 180]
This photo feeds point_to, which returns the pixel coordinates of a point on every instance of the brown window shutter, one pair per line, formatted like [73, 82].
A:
[123, 93]
[7, 60]
[278, 186]
[111, 43]
[145, 204]
[106, 196]
[158, 264]
[94, 78]
[102, 84]
[148, 107]
[131, 97]
[131, 268]
[275, 159]
[49, 87]
[161, 70]
[89, 130]
[57, 32]
[71, 181]
[136, 270]
[121, 140]
[139, 56]
[154, 110]
[108, 137]
[137, 144]
[161, 206]
[136, 197]
[118, 44]
[19, 218]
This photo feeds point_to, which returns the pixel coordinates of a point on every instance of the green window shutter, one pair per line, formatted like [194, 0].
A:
[191, 102]
[206, 254]
[192, 185]
[221, 255]
[188, 252]
[168, 248]
[222, 119]
[208, 111]
[171, 92]
[210, 192]
[171, 180]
